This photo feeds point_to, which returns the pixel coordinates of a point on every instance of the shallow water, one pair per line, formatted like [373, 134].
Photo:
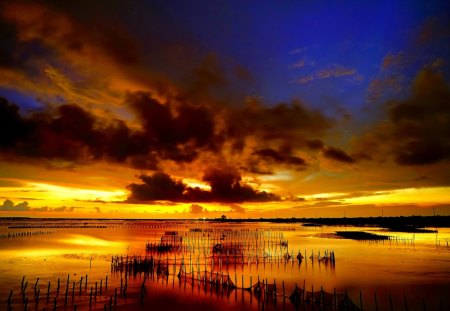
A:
[415, 269]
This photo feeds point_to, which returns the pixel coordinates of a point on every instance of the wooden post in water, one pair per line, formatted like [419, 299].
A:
[65, 297]
[90, 296]
[23, 280]
[360, 301]
[37, 296]
[376, 302]
[335, 299]
[390, 303]
[345, 301]
[73, 291]
[406, 304]
[48, 291]
[35, 286]
[106, 283]
[23, 292]
[304, 289]
[9, 299]
[54, 304]
[57, 289]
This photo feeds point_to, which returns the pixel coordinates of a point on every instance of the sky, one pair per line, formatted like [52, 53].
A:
[196, 109]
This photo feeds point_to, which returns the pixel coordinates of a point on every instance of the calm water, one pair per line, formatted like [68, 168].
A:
[418, 271]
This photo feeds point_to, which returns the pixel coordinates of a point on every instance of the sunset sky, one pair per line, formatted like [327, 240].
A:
[191, 109]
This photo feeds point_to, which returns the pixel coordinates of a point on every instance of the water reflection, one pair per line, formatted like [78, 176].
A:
[241, 254]
[85, 240]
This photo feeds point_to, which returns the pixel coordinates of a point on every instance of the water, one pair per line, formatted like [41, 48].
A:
[416, 268]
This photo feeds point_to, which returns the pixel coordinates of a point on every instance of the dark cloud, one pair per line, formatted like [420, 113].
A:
[417, 131]
[49, 26]
[337, 154]
[283, 122]
[197, 209]
[72, 133]
[226, 186]
[435, 28]
[236, 208]
[55, 209]
[9, 205]
[68, 132]
[159, 186]
[19, 54]
[176, 133]
[275, 156]
[12, 126]
[314, 144]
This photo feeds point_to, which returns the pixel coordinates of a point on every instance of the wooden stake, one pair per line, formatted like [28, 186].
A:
[360, 301]
[48, 291]
[73, 291]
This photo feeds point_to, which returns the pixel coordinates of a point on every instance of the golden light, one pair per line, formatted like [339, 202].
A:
[78, 239]
[53, 192]
[429, 195]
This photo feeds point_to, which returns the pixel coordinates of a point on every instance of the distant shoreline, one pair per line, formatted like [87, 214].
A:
[398, 222]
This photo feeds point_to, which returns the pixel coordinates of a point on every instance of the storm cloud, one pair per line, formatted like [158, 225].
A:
[417, 131]
[225, 186]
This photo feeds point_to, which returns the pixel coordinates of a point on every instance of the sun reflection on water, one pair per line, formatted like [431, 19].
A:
[85, 240]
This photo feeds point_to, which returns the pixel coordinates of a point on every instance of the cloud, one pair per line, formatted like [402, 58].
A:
[337, 154]
[417, 129]
[282, 123]
[176, 132]
[226, 186]
[63, 209]
[236, 208]
[298, 64]
[314, 144]
[394, 60]
[335, 71]
[298, 50]
[68, 132]
[435, 28]
[72, 133]
[197, 209]
[274, 156]
[304, 80]
[99, 94]
[159, 186]
[332, 71]
[9, 205]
